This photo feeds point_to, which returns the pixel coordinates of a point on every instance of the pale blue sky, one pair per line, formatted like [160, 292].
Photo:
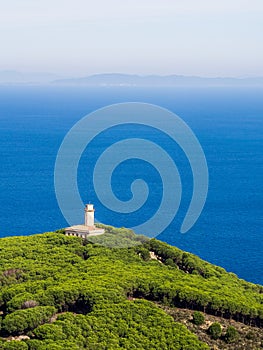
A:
[80, 37]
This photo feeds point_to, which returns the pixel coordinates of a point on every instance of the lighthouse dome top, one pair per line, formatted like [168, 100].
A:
[89, 207]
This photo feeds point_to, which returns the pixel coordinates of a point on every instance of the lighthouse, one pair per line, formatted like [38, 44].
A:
[89, 228]
[89, 215]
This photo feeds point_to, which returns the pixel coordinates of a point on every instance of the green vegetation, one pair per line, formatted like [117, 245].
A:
[25, 320]
[250, 335]
[198, 318]
[231, 334]
[66, 293]
[215, 330]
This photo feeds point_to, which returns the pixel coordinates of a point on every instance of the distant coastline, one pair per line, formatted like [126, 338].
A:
[157, 80]
[119, 79]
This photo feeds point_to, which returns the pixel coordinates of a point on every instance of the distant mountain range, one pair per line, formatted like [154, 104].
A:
[156, 80]
[117, 79]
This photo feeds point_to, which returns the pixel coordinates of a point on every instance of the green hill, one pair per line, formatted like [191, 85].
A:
[119, 291]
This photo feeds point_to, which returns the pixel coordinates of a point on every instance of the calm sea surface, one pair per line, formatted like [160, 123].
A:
[227, 121]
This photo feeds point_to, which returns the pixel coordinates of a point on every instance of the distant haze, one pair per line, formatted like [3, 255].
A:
[83, 37]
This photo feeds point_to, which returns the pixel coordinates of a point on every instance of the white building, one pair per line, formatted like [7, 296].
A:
[89, 228]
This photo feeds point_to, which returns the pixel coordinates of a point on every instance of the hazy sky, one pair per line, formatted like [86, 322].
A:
[80, 37]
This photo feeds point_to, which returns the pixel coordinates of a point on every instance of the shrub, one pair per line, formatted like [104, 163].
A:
[250, 335]
[198, 318]
[231, 334]
[215, 330]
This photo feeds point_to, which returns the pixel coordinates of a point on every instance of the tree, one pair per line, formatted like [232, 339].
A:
[27, 319]
[49, 331]
[14, 345]
[170, 262]
[215, 330]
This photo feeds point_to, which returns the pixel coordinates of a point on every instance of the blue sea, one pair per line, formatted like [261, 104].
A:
[228, 123]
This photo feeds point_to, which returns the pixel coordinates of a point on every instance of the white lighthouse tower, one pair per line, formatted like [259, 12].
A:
[89, 228]
[89, 215]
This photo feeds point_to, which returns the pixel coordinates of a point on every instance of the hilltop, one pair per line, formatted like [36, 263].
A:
[121, 291]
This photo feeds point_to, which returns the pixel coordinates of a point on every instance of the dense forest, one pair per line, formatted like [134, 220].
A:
[116, 291]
